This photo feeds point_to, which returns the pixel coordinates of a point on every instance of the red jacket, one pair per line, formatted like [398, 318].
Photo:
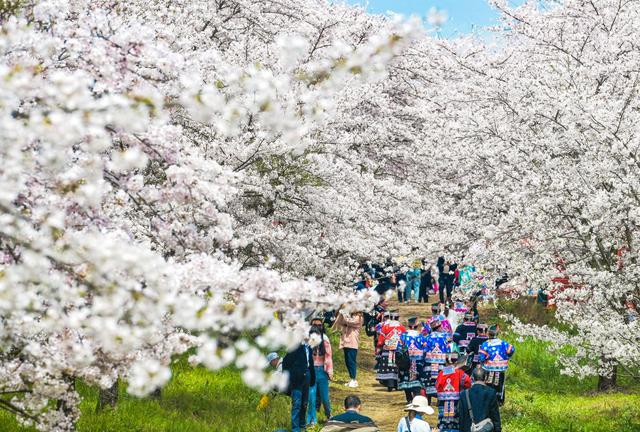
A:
[451, 382]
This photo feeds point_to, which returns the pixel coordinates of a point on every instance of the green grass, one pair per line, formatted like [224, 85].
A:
[196, 400]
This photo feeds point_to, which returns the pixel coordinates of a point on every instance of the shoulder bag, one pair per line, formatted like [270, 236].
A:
[406, 419]
[485, 425]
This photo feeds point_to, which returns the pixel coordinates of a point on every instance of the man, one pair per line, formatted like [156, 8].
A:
[474, 345]
[351, 416]
[388, 343]
[465, 332]
[484, 403]
[450, 382]
[413, 345]
[437, 347]
[494, 354]
[299, 364]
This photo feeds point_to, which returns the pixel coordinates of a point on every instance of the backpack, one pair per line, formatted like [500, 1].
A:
[402, 360]
[336, 426]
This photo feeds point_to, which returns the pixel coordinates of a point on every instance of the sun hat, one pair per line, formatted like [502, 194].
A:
[420, 404]
[272, 356]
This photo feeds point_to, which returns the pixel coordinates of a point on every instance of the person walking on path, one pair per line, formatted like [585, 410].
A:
[323, 365]
[299, 364]
[437, 316]
[474, 345]
[450, 382]
[388, 344]
[351, 419]
[425, 283]
[465, 332]
[349, 327]
[413, 421]
[412, 287]
[494, 354]
[478, 403]
[438, 345]
[413, 344]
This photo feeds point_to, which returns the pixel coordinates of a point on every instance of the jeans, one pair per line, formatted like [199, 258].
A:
[350, 355]
[400, 295]
[321, 389]
[413, 285]
[424, 294]
[299, 399]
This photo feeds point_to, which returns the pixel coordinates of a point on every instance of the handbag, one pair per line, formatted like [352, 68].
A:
[485, 425]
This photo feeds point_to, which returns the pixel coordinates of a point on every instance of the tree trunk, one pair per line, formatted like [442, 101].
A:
[606, 383]
[108, 397]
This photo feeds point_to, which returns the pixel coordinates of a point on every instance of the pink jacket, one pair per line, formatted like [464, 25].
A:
[327, 360]
[349, 328]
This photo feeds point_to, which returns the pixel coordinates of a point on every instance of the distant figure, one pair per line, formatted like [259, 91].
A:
[483, 402]
[494, 356]
[351, 418]
[412, 422]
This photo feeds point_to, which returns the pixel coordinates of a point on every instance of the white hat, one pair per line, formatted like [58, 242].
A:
[272, 356]
[420, 404]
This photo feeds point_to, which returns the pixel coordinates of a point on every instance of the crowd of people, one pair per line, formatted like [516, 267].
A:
[450, 360]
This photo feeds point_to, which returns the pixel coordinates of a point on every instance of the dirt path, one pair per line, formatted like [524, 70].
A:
[384, 407]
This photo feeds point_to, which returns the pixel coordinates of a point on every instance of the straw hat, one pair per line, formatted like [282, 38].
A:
[420, 404]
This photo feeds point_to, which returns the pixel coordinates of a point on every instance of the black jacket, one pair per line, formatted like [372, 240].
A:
[297, 366]
[484, 401]
[476, 342]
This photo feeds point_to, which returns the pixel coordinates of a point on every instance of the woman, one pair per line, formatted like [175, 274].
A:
[412, 421]
[349, 327]
[323, 364]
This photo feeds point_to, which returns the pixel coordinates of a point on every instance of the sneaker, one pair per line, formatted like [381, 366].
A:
[355, 384]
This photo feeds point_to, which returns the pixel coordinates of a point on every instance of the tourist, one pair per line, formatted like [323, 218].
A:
[275, 361]
[494, 355]
[478, 403]
[323, 365]
[413, 344]
[425, 283]
[388, 344]
[299, 364]
[437, 347]
[412, 287]
[349, 326]
[351, 416]
[474, 345]
[450, 382]
[413, 421]
[465, 332]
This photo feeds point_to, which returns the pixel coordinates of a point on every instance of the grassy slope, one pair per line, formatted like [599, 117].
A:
[196, 400]
[538, 399]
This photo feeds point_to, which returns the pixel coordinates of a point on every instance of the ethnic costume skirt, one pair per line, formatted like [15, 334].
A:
[387, 368]
[495, 380]
[429, 377]
[448, 416]
[413, 377]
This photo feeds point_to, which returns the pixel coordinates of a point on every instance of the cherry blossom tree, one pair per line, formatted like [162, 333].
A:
[172, 178]
[539, 164]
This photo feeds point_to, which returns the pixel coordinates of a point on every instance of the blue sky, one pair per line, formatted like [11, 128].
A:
[464, 15]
